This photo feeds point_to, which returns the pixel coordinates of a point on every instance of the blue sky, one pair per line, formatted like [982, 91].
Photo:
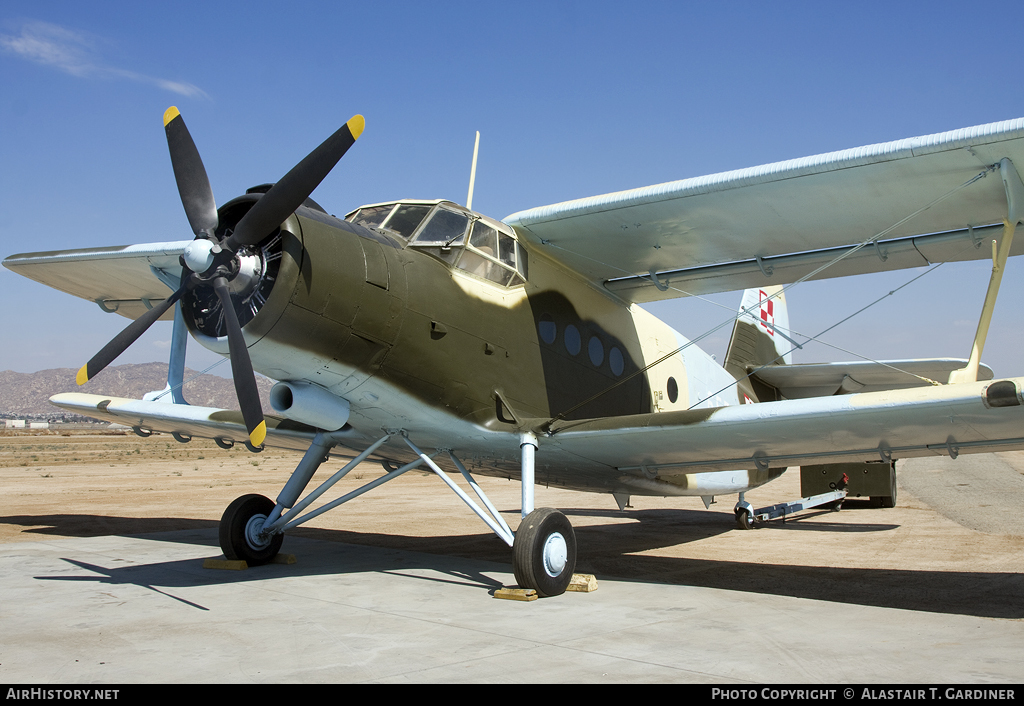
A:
[572, 99]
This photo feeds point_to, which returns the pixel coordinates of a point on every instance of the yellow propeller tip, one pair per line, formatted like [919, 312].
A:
[170, 114]
[356, 126]
[258, 434]
[83, 375]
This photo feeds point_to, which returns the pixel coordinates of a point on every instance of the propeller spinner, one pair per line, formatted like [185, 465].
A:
[212, 262]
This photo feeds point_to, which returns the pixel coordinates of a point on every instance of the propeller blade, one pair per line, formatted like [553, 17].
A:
[294, 187]
[241, 368]
[190, 175]
[119, 343]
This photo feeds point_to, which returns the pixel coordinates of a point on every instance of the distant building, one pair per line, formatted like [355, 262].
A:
[14, 424]
[38, 425]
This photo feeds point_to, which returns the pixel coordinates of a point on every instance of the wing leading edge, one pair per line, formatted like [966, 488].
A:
[775, 223]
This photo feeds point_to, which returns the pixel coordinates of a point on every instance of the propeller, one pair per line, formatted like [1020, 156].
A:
[213, 262]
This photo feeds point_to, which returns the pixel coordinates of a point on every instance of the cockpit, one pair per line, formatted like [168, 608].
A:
[455, 235]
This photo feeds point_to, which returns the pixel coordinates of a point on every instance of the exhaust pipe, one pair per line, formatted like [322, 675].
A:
[310, 404]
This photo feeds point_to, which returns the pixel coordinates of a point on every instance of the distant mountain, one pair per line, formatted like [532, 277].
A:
[28, 394]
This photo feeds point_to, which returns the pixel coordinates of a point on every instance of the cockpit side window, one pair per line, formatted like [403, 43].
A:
[445, 227]
[443, 235]
[372, 217]
[485, 239]
[462, 239]
[492, 255]
[406, 218]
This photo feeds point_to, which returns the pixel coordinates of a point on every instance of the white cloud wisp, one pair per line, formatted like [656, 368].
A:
[75, 53]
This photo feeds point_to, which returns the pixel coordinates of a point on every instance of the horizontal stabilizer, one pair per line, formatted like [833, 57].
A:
[818, 379]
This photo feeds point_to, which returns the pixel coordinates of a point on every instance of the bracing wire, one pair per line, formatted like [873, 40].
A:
[546, 426]
[181, 386]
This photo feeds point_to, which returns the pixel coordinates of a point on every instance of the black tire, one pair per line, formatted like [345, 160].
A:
[236, 543]
[537, 530]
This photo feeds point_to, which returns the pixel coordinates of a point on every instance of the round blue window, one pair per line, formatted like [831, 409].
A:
[572, 339]
[547, 329]
[615, 361]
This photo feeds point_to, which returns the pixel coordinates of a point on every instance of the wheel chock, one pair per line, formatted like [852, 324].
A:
[583, 583]
[226, 564]
[516, 594]
[241, 565]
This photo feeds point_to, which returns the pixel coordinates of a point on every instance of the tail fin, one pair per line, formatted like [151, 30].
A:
[760, 336]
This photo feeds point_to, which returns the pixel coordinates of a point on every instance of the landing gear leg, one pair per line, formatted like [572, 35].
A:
[544, 550]
[744, 514]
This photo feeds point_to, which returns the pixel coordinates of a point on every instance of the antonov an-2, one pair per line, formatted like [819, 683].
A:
[422, 334]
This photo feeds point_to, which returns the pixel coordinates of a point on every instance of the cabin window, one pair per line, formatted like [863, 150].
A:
[406, 218]
[673, 390]
[596, 351]
[615, 361]
[547, 328]
[572, 339]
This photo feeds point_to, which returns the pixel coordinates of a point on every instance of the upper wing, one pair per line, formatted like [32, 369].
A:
[121, 279]
[707, 234]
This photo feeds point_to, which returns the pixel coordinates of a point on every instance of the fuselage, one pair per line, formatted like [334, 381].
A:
[477, 333]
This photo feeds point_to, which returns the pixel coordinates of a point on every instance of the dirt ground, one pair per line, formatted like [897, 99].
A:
[916, 556]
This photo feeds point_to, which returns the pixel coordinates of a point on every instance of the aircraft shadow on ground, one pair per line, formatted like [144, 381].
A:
[606, 550]
[65, 525]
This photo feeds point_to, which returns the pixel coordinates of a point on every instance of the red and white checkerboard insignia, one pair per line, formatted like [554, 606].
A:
[767, 313]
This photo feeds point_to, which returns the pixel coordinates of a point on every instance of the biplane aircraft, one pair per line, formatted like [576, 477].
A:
[422, 334]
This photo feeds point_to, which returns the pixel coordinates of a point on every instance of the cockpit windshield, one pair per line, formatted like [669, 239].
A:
[465, 240]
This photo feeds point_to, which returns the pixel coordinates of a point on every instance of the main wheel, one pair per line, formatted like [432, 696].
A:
[544, 552]
[239, 530]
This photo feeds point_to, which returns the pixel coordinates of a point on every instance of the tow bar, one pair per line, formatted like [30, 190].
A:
[746, 516]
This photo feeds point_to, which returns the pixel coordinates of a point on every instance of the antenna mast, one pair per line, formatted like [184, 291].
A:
[472, 172]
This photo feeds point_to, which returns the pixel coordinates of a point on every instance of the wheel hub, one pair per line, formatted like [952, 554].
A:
[254, 536]
[556, 554]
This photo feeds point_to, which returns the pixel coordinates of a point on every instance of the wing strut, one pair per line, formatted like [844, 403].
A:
[1015, 212]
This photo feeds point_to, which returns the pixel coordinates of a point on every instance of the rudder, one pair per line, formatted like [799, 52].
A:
[760, 336]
